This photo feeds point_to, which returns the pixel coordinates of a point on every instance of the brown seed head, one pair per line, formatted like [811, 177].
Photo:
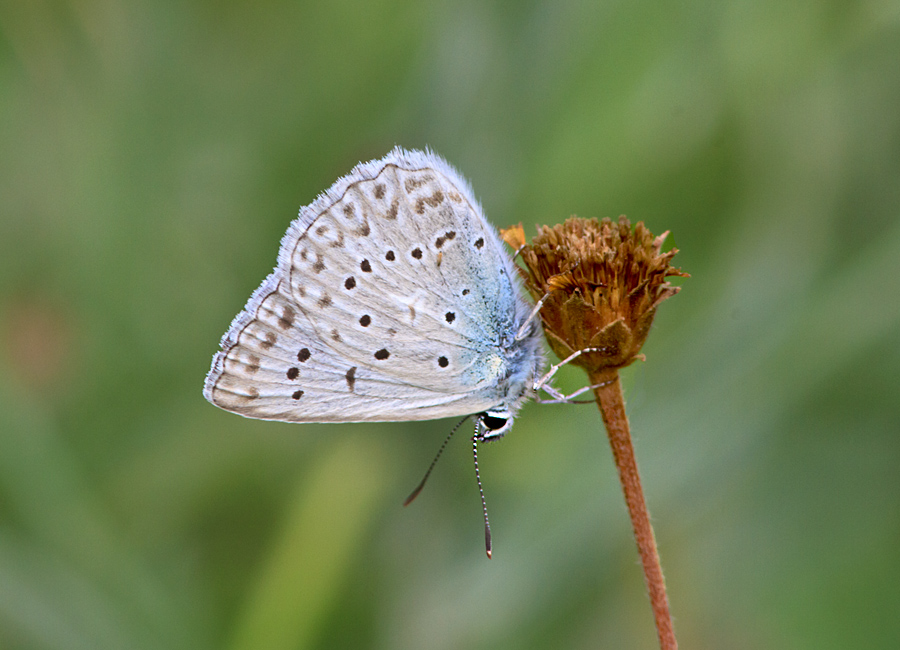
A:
[603, 280]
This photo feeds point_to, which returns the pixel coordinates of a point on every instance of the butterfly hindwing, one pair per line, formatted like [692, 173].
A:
[391, 297]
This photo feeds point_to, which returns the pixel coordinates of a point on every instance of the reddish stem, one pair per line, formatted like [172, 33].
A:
[612, 407]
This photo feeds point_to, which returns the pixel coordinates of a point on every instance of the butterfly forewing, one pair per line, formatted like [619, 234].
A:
[391, 300]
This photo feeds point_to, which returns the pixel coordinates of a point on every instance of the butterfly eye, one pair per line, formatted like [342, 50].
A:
[492, 422]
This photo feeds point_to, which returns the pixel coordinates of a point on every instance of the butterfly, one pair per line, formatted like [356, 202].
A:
[393, 299]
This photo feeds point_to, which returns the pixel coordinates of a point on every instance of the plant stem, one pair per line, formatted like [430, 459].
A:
[612, 407]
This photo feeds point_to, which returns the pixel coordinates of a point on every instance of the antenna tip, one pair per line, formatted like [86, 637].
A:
[488, 553]
[415, 492]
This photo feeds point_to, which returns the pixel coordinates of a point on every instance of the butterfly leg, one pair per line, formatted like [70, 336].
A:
[559, 398]
[539, 384]
[523, 331]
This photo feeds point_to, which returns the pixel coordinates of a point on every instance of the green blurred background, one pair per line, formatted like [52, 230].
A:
[153, 153]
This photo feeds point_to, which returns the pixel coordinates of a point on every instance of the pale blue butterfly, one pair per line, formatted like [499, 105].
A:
[393, 299]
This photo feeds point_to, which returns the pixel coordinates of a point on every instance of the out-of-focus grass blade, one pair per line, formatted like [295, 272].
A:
[328, 521]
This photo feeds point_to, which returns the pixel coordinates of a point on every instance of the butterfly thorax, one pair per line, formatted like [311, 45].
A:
[514, 363]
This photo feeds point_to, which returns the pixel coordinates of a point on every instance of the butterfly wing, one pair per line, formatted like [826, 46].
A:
[392, 300]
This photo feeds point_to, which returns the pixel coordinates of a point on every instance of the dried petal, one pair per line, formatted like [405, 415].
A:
[514, 236]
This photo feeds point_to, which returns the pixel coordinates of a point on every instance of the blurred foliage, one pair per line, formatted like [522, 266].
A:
[152, 155]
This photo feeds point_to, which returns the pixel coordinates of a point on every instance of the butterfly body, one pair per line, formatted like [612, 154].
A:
[393, 299]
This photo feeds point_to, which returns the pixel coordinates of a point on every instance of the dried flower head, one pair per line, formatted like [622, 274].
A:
[603, 282]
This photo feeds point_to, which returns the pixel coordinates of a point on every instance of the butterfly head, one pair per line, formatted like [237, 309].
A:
[493, 424]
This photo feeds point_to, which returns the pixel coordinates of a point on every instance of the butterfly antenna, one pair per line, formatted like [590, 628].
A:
[487, 524]
[418, 489]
